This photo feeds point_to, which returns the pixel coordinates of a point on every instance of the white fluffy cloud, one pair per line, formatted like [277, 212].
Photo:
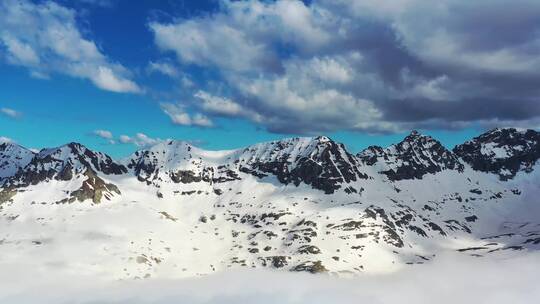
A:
[179, 116]
[140, 140]
[376, 66]
[222, 106]
[302, 96]
[242, 37]
[45, 39]
[310, 92]
[105, 134]
[164, 68]
[105, 78]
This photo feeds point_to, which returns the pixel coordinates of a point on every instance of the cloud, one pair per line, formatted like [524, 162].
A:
[244, 33]
[179, 116]
[140, 140]
[223, 106]
[45, 39]
[10, 112]
[164, 68]
[372, 66]
[460, 34]
[448, 279]
[106, 79]
[101, 3]
[196, 43]
[105, 134]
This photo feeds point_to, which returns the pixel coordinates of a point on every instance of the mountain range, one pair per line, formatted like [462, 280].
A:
[298, 204]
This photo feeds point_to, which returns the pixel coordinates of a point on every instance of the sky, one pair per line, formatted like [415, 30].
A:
[120, 75]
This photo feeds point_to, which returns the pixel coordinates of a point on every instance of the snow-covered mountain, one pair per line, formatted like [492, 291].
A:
[299, 204]
[12, 158]
[505, 152]
[414, 157]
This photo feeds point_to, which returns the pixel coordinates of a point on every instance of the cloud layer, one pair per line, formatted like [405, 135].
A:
[45, 39]
[448, 279]
[375, 66]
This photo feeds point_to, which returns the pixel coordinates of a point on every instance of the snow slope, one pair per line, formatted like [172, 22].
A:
[299, 204]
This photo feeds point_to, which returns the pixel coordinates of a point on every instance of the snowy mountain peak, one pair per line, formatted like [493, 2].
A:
[72, 164]
[12, 158]
[415, 133]
[415, 138]
[300, 204]
[316, 161]
[171, 145]
[79, 157]
[290, 148]
[502, 151]
[412, 158]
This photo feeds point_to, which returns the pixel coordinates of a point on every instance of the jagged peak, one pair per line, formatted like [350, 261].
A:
[503, 151]
[417, 136]
[415, 133]
[166, 150]
[293, 148]
[13, 157]
[509, 129]
[414, 140]
[323, 139]
[371, 151]
[412, 158]
[305, 141]
[501, 137]
[499, 134]
[12, 146]
[63, 150]
[294, 141]
[75, 156]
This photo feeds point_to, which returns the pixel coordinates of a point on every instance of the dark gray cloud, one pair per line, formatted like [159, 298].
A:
[374, 66]
[461, 110]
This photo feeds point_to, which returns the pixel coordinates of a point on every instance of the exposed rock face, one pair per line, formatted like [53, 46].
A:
[179, 162]
[291, 204]
[319, 162]
[66, 163]
[13, 158]
[504, 152]
[311, 267]
[414, 157]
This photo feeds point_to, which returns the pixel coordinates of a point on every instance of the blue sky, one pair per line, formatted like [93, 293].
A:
[120, 75]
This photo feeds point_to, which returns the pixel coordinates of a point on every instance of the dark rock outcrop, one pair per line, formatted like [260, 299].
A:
[67, 163]
[320, 163]
[504, 152]
[414, 157]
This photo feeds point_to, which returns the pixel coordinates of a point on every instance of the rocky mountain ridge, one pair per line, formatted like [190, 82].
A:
[300, 204]
[319, 162]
